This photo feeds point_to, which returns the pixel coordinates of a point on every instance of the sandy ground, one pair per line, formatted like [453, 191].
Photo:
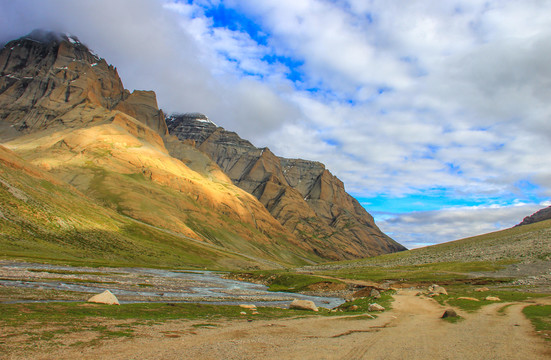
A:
[412, 330]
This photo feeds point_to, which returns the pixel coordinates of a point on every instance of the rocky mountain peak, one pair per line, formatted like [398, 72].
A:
[44, 76]
[196, 126]
[50, 43]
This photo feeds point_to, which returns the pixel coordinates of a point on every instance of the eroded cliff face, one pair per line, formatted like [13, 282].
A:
[47, 80]
[302, 195]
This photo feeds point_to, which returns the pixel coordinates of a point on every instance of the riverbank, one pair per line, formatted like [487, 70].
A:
[42, 282]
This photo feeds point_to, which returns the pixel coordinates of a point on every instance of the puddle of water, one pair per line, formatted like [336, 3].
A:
[189, 286]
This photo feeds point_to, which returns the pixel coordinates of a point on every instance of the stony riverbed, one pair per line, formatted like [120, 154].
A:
[41, 282]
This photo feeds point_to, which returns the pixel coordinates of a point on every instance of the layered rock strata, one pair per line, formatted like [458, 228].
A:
[303, 195]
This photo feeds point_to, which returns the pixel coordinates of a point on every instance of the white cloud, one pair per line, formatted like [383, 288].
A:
[432, 227]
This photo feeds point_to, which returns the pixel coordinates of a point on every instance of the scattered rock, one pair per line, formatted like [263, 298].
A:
[375, 307]
[492, 298]
[375, 294]
[364, 292]
[482, 289]
[437, 290]
[243, 313]
[467, 298]
[105, 297]
[386, 285]
[449, 313]
[303, 305]
[248, 306]
[255, 313]
[353, 308]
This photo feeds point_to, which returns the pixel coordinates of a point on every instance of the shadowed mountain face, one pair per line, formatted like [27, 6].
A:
[304, 196]
[541, 215]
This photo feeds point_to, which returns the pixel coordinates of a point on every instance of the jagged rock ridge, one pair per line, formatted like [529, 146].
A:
[541, 215]
[303, 195]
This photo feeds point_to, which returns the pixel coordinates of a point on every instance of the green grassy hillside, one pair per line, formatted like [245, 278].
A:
[488, 253]
[43, 219]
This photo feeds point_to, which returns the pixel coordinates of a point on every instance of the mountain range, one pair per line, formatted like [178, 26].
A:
[90, 170]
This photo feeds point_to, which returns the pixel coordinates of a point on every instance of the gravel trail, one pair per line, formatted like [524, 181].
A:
[411, 330]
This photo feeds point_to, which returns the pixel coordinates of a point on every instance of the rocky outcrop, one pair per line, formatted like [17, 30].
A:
[46, 76]
[142, 105]
[541, 215]
[435, 290]
[303, 195]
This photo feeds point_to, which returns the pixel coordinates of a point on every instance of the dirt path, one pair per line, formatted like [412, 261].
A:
[412, 330]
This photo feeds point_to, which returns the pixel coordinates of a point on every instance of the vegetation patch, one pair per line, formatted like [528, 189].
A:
[296, 282]
[455, 294]
[454, 319]
[540, 316]
[206, 325]
[285, 281]
[424, 273]
[51, 313]
[361, 305]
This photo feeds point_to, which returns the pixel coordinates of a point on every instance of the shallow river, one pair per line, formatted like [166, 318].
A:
[150, 285]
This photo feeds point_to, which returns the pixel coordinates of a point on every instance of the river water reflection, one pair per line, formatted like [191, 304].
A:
[150, 285]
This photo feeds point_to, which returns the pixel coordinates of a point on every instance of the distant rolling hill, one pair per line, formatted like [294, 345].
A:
[522, 252]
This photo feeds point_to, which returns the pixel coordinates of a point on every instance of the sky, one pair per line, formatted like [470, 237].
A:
[435, 114]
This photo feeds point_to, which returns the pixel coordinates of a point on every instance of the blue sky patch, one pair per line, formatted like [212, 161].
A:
[224, 17]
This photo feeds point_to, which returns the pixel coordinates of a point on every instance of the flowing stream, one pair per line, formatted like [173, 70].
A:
[149, 285]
